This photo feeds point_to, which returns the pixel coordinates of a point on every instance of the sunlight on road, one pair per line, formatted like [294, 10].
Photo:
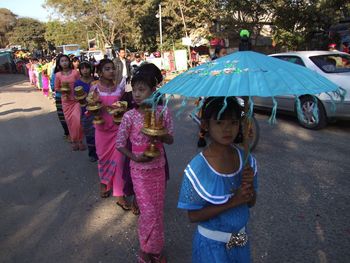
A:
[38, 224]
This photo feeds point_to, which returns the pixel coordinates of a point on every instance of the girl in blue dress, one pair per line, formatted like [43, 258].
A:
[86, 78]
[218, 188]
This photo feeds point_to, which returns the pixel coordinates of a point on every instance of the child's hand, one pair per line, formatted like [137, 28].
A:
[161, 138]
[166, 138]
[243, 195]
[142, 159]
[248, 176]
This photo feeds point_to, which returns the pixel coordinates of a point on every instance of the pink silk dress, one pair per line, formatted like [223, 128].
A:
[71, 107]
[148, 179]
[111, 163]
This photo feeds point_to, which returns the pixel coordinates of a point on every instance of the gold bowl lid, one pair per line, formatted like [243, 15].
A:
[81, 97]
[94, 107]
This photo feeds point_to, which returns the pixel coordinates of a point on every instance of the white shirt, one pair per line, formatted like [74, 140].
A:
[125, 72]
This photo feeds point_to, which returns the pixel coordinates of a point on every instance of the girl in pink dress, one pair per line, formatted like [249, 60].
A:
[71, 107]
[147, 174]
[110, 161]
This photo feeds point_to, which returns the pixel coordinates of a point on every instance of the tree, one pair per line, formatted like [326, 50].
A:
[71, 32]
[245, 14]
[28, 33]
[7, 21]
[297, 21]
[192, 18]
[106, 18]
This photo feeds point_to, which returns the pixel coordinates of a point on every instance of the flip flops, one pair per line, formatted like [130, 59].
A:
[124, 206]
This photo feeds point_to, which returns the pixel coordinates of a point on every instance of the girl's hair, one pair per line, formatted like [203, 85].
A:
[75, 59]
[148, 74]
[85, 64]
[58, 66]
[102, 63]
[213, 105]
[212, 109]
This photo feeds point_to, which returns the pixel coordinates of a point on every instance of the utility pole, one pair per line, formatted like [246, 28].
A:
[188, 47]
[160, 30]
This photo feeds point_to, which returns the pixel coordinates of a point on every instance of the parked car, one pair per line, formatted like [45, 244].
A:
[333, 65]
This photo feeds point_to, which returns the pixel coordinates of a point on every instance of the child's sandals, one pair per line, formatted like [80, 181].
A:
[82, 147]
[142, 258]
[158, 258]
[135, 208]
[75, 147]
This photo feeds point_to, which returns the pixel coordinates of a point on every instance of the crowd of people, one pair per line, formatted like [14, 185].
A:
[133, 178]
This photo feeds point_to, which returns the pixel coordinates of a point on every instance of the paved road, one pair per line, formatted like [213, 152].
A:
[50, 210]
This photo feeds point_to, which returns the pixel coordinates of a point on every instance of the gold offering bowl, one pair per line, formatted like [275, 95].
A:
[117, 110]
[65, 89]
[153, 127]
[95, 110]
[80, 95]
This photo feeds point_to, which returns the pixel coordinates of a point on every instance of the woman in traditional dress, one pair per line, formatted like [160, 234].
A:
[114, 175]
[71, 107]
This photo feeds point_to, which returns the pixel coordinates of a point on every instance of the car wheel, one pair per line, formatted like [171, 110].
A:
[308, 119]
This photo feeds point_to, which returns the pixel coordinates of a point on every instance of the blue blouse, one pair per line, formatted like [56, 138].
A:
[203, 186]
[86, 87]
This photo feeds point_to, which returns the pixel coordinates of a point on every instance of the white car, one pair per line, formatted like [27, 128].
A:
[333, 65]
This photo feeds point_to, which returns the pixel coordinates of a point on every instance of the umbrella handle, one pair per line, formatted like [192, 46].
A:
[247, 125]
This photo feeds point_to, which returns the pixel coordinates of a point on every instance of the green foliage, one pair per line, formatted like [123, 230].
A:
[7, 21]
[28, 33]
[71, 32]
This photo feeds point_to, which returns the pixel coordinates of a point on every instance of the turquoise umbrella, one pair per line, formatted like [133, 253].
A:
[247, 74]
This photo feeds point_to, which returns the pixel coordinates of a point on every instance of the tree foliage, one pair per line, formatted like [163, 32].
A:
[71, 32]
[28, 33]
[133, 23]
[7, 21]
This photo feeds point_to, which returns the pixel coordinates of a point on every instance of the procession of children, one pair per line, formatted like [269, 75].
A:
[217, 189]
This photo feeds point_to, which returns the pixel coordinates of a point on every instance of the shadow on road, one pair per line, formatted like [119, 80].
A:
[11, 79]
[19, 110]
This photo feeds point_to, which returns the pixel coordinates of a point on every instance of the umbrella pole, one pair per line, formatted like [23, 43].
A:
[246, 129]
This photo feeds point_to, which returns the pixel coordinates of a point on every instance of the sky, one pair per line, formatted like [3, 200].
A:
[27, 8]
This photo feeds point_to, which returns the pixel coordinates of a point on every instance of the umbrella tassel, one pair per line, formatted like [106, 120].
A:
[315, 109]
[222, 109]
[341, 93]
[166, 103]
[333, 106]
[153, 99]
[197, 109]
[299, 110]
[182, 107]
[272, 119]
[251, 108]
[157, 99]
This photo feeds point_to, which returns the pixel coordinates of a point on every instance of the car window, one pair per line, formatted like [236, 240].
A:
[292, 59]
[332, 63]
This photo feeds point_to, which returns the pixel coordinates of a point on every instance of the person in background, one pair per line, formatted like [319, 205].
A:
[345, 47]
[86, 78]
[76, 62]
[111, 163]
[332, 47]
[70, 106]
[220, 51]
[122, 67]
[136, 63]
